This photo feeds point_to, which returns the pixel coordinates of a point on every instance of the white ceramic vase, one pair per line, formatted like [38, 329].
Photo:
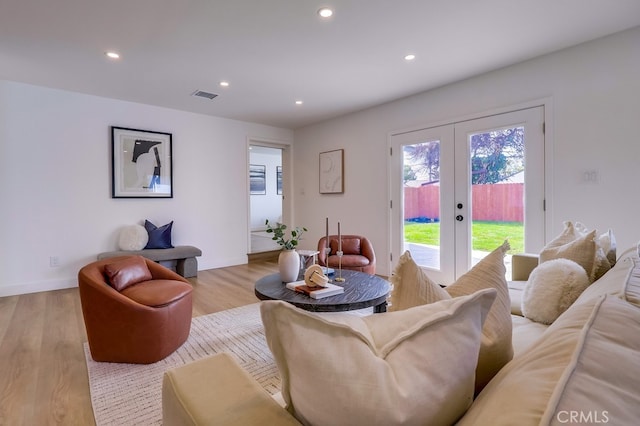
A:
[289, 265]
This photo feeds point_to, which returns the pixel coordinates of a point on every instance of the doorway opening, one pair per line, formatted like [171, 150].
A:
[265, 195]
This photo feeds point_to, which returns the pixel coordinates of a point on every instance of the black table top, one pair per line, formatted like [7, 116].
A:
[360, 291]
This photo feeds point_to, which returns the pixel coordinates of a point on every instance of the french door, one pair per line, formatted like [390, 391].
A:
[458, 190]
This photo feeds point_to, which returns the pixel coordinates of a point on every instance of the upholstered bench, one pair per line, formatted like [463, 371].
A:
[181, 259]
[216, 390]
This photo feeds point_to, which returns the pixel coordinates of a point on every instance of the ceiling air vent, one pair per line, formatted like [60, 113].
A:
[203, 94]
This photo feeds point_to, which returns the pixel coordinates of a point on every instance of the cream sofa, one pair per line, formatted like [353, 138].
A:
[582, 369]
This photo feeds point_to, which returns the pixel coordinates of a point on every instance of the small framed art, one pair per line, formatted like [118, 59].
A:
[141, 163]
[257, 179]
[331, 172]
[279, 180]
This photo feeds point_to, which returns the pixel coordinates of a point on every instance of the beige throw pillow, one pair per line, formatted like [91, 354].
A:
[584, 247]
[572, 245]
[410, 367]
[412, 287]
[496, 349]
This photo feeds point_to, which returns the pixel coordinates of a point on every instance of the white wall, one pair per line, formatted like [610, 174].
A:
[269, 205]
[55, 197]
[595, 97]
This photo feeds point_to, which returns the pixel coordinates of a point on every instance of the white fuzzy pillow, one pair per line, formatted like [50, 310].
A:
[552, 287]
[133, 238]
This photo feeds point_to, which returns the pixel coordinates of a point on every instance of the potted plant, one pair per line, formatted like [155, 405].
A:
[288, 260]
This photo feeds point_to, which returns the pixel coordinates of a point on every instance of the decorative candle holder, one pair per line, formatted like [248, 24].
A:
[339, 278]
[327, 250]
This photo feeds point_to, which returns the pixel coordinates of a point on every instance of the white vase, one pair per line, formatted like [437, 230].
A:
[289, 265]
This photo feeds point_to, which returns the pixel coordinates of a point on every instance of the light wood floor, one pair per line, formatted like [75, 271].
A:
[43, 375]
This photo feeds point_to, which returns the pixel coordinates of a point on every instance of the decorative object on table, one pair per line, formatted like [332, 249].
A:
[314, 277]
[288, 265]
[340, 253]
[326, 248]
[315, 292]
[257, 179]
[133, 238]
[331, 172]
[141, 164]
[288, 260]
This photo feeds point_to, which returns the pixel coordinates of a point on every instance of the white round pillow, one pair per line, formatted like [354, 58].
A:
[552, 287]
[133, 238]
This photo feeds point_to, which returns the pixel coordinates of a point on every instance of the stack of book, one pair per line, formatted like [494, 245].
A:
[315, 292]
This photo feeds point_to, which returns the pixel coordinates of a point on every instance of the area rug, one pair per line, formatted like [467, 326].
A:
[131, 394]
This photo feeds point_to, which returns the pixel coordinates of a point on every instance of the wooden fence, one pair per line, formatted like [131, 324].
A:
[502, 202]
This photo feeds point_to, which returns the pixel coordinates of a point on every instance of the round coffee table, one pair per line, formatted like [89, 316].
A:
[360, 291]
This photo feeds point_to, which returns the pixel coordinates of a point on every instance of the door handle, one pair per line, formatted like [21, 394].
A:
[459, 218]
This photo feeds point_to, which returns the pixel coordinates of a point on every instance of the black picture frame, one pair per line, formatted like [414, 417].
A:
[279, 180]
[257, 179]
[141, 163]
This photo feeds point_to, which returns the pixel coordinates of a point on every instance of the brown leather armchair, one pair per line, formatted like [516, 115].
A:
[358, 254]
[142, 323]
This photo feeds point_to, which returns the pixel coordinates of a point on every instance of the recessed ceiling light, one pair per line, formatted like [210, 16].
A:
[410, 57]
[299, 102]
[224, 83]
[325, 12]
[112, 55]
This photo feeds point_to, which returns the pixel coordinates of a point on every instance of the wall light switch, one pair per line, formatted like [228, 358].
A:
[54, 261]
[590, 176]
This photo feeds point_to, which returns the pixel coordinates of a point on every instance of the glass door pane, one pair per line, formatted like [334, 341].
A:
[497, 190]
[422, 196]
[500, 184]
[421, 177]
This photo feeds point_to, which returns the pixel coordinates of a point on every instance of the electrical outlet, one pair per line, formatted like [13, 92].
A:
[54, 261]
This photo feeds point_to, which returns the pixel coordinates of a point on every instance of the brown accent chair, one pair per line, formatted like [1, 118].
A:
[135, 310]
[358, 254]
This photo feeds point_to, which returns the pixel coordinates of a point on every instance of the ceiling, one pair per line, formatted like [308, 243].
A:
[275, 52]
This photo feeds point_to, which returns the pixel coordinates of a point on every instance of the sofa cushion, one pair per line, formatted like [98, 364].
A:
[516, 289]
[614, 281]
[216, 390]
[127, 272]
[525, 333]
[632, 287]
[412, 286]
[608, 243]
[410, 367]
[157, 293]
[496, 349]
[552, 287]
[571, 244]
[585, 362]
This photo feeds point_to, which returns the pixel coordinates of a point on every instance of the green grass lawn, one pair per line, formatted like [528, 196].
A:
[486, 235]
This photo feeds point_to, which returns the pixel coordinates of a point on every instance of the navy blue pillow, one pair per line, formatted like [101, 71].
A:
[159, 238]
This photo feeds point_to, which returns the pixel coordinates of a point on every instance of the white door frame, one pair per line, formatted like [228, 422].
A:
[287, 173]
[395, 243]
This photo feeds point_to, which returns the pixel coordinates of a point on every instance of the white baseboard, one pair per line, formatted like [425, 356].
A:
[37, 286]
[221, 263]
